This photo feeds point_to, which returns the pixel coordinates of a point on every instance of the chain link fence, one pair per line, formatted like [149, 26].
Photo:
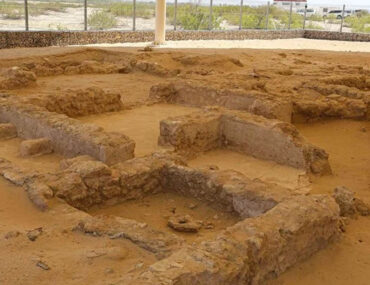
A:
[134, 15]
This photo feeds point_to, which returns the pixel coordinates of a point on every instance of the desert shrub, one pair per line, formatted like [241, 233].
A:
[359, 23]
[196, 18]
[312, 26]
[143, 10]
[100, 20]
[12, 11]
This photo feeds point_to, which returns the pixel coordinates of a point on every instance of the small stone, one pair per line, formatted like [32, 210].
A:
[364, 130]
[184, 224]
[192, 206]
[209, 226]
[345, 199]
[213, 167]
[139, 265]
[11, 234]
[215, 217]
[36, 147]
[115, 236]
[116, 253]
[348, 204]
[7, 131]
[43, 265]
[34, 234]
[143, 225]
[96, 253]
[362, 208]
[108, 271]
[148, 48]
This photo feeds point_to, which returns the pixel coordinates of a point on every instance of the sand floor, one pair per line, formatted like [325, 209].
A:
[290, 44]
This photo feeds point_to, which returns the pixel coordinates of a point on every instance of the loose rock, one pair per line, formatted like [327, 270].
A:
[184, 224]
[34, 234]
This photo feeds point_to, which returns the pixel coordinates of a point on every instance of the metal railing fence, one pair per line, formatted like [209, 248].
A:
[181, 15]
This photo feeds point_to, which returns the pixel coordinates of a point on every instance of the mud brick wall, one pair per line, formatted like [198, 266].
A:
[325, 35]
[68, 136]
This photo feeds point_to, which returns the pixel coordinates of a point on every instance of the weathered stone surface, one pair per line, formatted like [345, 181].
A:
[254, 135]
[74, 103]
[39, 193]
[65, 163]
[184, 224]
[35, 147]
[85, 182]
[229, 190]
[32, 181]
[7, 131]
[306, 109]
[15, 174]
[68, 136]
[193, 94]
[253, 250]
[348, 204]
[160, 243]
[16, 77]
[198, 132]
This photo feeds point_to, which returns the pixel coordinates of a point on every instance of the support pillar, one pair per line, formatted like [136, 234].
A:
[160, 22]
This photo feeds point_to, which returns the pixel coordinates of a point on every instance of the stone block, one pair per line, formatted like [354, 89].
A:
[7, 131]
[36, 147]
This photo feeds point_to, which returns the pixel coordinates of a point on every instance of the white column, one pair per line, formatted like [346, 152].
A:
[160, 22]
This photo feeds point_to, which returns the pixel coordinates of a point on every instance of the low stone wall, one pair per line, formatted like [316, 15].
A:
[86, 182]
[192, 94]
[68, 136]
[243, 132]
[253, 250]
[12, 39]
[337, 36]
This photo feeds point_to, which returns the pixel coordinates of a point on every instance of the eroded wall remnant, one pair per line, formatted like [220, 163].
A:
[192, 94]
[246, 133]
[68, 136]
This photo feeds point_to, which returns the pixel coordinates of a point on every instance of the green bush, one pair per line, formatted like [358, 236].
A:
[312, 26]
[101, 20]
[192, 17]
[315, 17]
[12, 11]
[143, 10]
[359, 23]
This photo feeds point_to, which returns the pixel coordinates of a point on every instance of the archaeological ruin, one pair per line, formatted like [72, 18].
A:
[173, 167]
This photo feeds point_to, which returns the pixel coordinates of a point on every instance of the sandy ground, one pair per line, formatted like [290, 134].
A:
[156, 209]
[290, 44]
[145, 131]
[69, 253]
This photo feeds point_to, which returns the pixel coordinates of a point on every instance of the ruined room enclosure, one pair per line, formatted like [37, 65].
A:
[181, 168]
